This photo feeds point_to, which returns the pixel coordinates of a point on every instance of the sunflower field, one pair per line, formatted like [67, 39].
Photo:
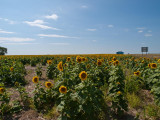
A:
[79, 87]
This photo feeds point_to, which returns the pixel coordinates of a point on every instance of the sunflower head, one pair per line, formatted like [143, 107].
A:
[35, 79]
[49, 62]
[118, 83]
[62, 89]
[65, 65]
[137, 73]
[83, 75]
[11, 69]
[60, 66]
[114, 59]
[83, 59]
[78, 59]
[99, 62]
[153, 65]
[106, 68]
[68, 59]
[48, 84]
[88, 66]
[142, 61]
[158, 61]
[2, 90]
[149, 65]
[116, 62]
[119, 92]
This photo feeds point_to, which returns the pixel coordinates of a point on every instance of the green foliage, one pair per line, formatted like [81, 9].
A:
[6, 108]
[116, 90]
[133, 100]
[39, 70]
[44, 99]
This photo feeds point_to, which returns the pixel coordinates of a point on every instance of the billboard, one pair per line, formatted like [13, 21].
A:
[144, 49]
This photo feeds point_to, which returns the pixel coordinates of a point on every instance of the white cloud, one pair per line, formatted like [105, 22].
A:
[53, 16]
[15, 39]
[148, 35]
[2, 31]
[7, 20]
[84, 6]
[19, 43]
[149, 31]
[110, 26]
[94, 40]
[140, 31]
[140, 28]
[91, 29]
[59, 43]
[55, 36]
[39, 23]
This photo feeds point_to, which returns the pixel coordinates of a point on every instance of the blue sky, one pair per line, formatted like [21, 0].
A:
[34, 27]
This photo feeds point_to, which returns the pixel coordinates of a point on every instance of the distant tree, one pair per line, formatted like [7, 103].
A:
[3, 50]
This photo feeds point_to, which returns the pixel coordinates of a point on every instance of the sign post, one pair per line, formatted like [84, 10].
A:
[144, 49]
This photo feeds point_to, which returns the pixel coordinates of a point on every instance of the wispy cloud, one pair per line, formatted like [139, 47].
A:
[60, 44]
[149, 31]
[148, 35]
[110, 26]
[15, 39]
[140, 28]
[20, 43]
[55, 36]
[7, 20]
[53, 16]
[140, 31]
[2, 31]
[39, 23]
[84, 6]
[94, 40]
[91, 29]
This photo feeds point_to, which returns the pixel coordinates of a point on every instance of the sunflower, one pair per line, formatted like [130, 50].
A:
[149, 65]
[158, 61]
[11, 69]
[2, 90]
[83, 75]
[35, 79]
[68, 59]
[118, 83]
[65, 65]
[153, 65]
[60, 66]
[49, 62]
[106, 68]
[62, 89]
[78, 59]
[83, 59]
[116, 62]
[88, 66]
[48, 84]
[119, 92]
[137, 73]
[114, 59]
[99, 62]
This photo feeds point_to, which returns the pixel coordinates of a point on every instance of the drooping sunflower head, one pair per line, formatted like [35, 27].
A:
[153, 65]
[35, 79]
[48, 84]
[149, 65]
[78, 59]
[62, 89]
[68, 59]
[2, 90]
[88, 66]
[83, 75]
[49, 62]
[99, 62]
[11, 69]
[142, 61]
[60, 66]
